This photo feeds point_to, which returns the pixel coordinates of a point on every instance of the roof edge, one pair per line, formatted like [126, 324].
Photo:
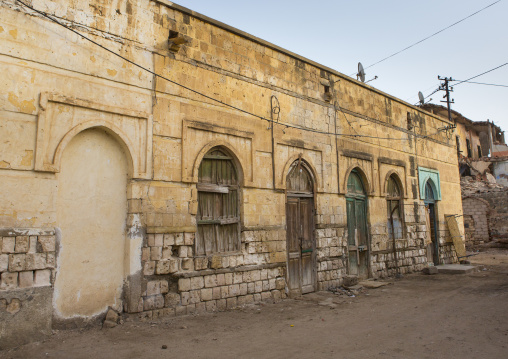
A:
[260, 41]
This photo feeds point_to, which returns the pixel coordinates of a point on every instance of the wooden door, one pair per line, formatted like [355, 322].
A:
[433, 232]
[357, 237]
[300, 245]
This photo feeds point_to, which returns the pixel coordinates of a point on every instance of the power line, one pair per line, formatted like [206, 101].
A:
[286, 125]
[434, 34]
[483, 73]
[482, 83]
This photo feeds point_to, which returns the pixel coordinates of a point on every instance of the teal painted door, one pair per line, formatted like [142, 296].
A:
[358, 249]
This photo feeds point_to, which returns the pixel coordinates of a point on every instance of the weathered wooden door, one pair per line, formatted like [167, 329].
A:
[358, 247]
[300, 231]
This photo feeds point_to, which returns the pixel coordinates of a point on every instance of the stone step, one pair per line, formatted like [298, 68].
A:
[456, 269]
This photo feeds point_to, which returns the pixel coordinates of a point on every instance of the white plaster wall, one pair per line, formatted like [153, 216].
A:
[91, 214]
[501, 172]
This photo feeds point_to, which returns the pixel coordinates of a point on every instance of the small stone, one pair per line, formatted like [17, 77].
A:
[164, 347]
[14, 306]
[430, 270]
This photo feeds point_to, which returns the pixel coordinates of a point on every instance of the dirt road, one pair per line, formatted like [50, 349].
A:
[419, 316]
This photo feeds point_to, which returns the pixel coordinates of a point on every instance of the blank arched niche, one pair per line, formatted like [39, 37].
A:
[61, 118]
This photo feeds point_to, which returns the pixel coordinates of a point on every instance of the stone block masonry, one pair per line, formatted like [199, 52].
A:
[27, 260]
[175, 282]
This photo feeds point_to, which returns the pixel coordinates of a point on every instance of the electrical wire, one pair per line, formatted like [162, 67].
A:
[434, 34]
[287, 125]
[482, 83]
[483, 73]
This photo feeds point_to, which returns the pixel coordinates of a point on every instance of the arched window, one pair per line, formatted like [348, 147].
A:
[218, 216]
[394, 208]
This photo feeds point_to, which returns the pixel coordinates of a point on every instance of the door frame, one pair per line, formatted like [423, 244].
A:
[300, 195]
[365, 198]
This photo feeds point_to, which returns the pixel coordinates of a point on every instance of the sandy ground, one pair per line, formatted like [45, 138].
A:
[418, 316]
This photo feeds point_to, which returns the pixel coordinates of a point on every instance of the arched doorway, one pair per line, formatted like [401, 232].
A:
[91, 213]
[430, 207]
[356, 206]
[301, 244]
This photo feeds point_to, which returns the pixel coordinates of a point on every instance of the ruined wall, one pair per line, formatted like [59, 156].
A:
[58, 85]
[477, 211]
[497, 214]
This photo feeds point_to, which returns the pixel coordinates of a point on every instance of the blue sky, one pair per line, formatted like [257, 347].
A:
[339, 34]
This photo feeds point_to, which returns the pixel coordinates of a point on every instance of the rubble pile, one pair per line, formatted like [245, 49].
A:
[470, 185]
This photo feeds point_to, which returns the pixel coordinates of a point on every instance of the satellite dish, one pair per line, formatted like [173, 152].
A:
[361, 72]
[422, 99]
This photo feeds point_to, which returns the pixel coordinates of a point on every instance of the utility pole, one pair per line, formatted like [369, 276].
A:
[445, 87]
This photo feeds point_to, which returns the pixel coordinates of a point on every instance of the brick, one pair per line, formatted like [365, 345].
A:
[4, 262]
[181, 310]
[172, 300]
[231, 303]
[179, 240]
[216, 293]
[50, 260]
[243, 288]
[224, 292]
[229, 278]
[155, 253]
[185, 298]
[234, 290]
[184, 284]
[211, 306]
[266, 295]
[22, 244]
[197, 283]
[42, 278]
[189, 239]
[194, 296]
[46, 243]
[210, 281]
[167, 252]
[145, 254]
[158, 240]
[153, 287]
[201, 263]
[9, 281]
[169, 240]
[206, 294]
[188, 264]
[237, 278]
[221, 304]
[221, 279]
[151, 240]
[17, 262]
[149, 268]
[26, 279]
[35, 261]
[182, 251]
[8, 244]
[258, 286]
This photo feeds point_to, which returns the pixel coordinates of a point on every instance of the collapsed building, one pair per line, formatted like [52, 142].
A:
[483, 163]
[201, 169]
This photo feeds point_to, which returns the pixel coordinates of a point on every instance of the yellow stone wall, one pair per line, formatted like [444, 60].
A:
[57, 84]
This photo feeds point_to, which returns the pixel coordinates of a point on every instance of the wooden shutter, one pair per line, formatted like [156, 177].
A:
[218, 217]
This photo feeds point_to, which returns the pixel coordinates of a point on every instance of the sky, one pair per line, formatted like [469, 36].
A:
[339, 34]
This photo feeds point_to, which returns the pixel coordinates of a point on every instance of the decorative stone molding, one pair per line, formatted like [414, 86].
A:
[62, 117]
[198, 138]
[426, 174]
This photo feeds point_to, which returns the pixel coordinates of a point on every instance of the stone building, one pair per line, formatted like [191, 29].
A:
[239, 172]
